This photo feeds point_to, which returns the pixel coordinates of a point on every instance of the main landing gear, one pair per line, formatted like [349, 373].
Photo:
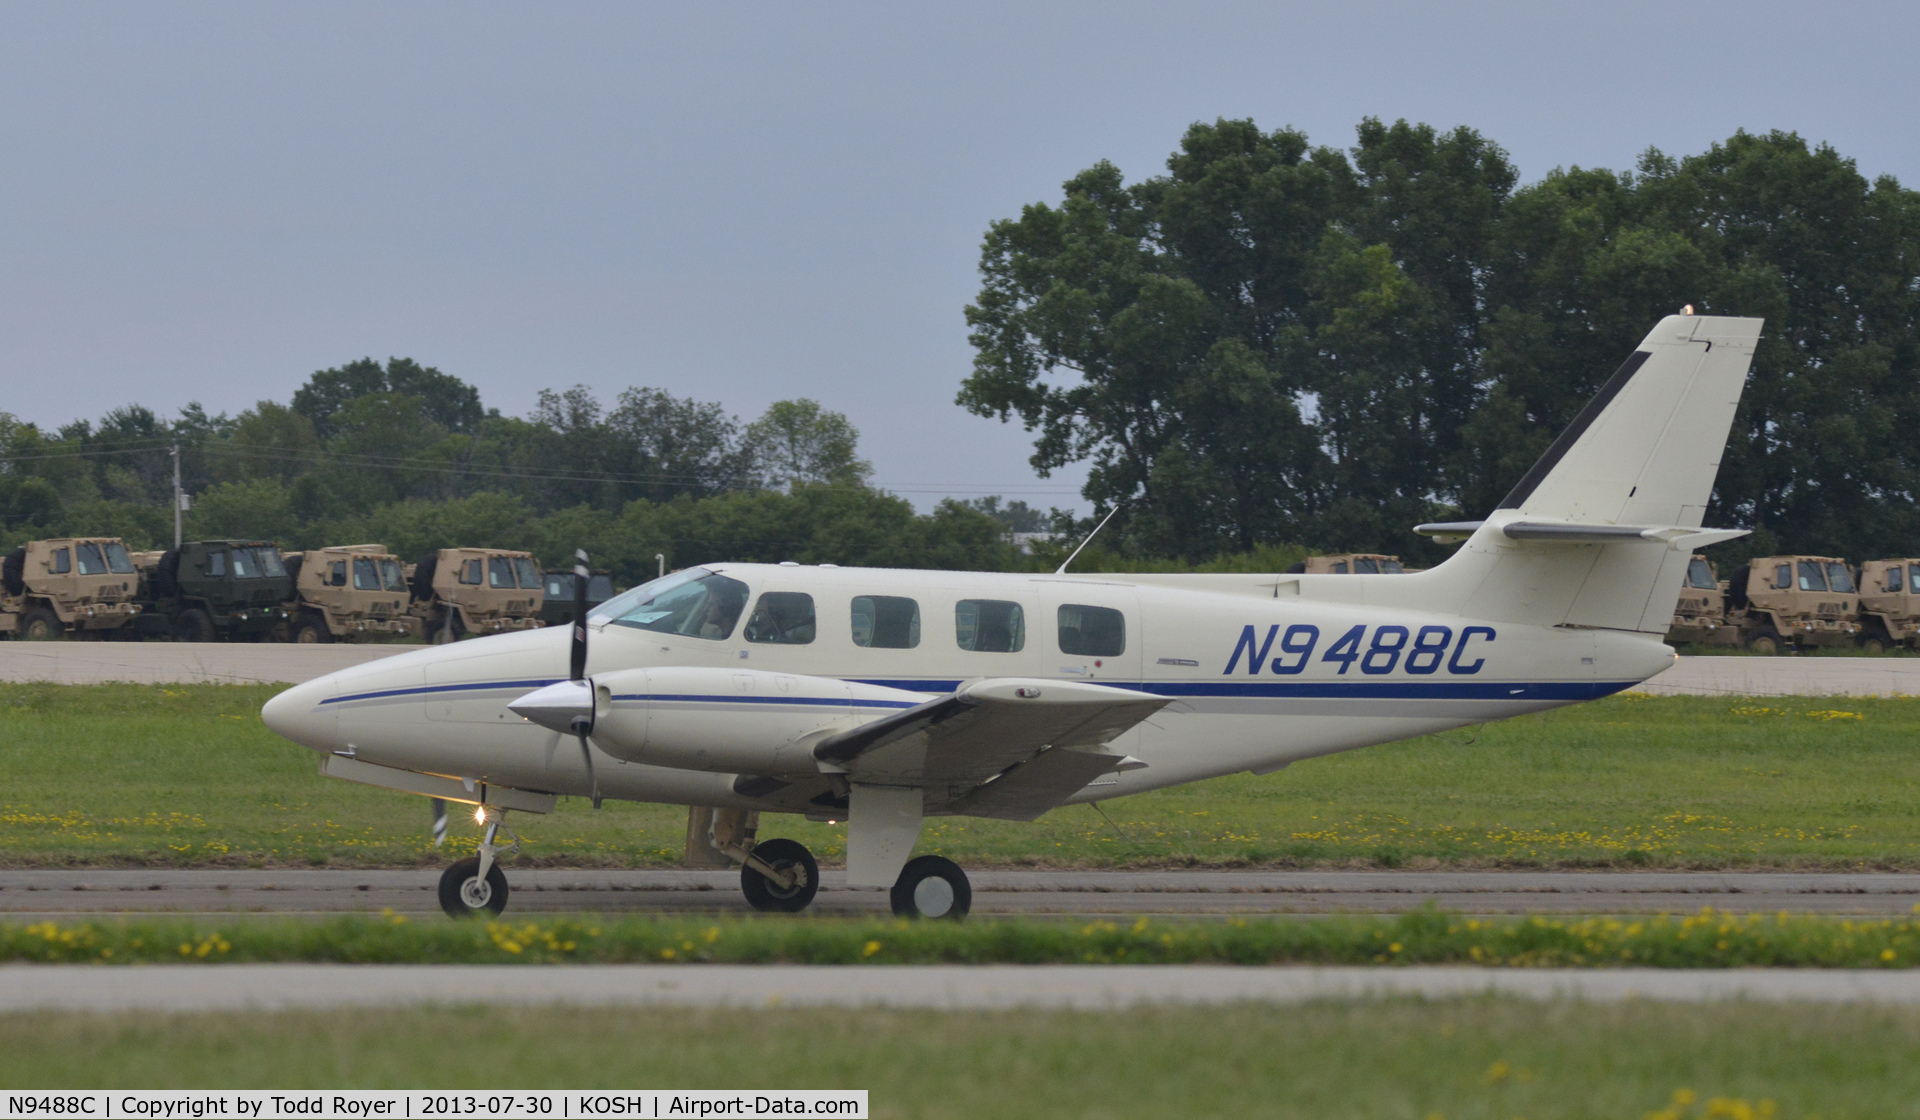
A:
[928, 887]
[475, 887]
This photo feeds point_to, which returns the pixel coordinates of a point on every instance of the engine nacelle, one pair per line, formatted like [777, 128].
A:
[731, 720]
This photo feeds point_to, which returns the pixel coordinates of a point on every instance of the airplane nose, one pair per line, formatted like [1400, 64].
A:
[299, 714]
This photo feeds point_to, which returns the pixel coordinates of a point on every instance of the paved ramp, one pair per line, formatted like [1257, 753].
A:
[181, 662]
[1788, 676]
[211, 987]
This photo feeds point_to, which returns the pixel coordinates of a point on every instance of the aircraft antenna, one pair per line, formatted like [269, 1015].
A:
[1062, 569]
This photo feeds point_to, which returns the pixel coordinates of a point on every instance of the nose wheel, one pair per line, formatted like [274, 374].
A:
[780, 876]
[475, 887]
[932, 887]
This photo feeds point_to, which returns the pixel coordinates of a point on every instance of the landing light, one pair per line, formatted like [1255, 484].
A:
[479, 814]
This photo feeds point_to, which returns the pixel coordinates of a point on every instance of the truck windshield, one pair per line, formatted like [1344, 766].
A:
[1700, 576]
[268, 558]
[599, 589]
[245, 564]
[366, 575]
[560, 585]
[92, 561]
[500, 572]
[1839, 578]
[1812, 578]
[1913, 575]
[1366, 567]
[118, 562]
[696, 603]
[529, 575]
[1392, 567]
[391, 577]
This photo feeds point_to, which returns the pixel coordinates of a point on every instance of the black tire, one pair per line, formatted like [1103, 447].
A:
[932, 887]
[39, 624]
[311, 630]
[193, 625]
[1873, 644]
[461, 888]
[422, 585]
[762, 894]
[13, 571]
[166, 575]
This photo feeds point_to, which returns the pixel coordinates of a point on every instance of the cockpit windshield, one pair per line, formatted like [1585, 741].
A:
[1839, 578]
[1812, 576]
[696, 603]
[1700, 576]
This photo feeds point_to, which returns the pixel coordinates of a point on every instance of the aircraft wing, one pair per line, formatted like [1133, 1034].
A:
[1007, 747]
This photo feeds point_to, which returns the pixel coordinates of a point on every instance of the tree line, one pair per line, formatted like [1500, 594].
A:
[1277, 341]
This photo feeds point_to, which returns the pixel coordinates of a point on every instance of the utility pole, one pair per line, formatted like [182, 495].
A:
[179, 499]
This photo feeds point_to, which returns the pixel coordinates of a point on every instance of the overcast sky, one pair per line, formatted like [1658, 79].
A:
[746, 202]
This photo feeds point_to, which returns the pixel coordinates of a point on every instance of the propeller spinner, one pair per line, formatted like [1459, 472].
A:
[567, 707]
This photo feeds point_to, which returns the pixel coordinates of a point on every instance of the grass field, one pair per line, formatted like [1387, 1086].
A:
[1702, 940]
[1455, 1059]
[118, 775]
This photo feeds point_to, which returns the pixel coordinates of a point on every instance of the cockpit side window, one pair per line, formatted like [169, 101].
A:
[217, 562]
[1782, 577]
[695, 603]
[62, 561]
[337, 573]
[1892, 579]
[470, 572]
[783, 618]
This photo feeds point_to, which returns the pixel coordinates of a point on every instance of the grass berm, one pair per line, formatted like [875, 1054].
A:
[187, 775]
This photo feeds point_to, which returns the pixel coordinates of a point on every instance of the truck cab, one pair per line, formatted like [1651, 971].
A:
[1700, 614]
[462, 591]
[206, 591]
[1350, 563]
[349, 593]
[1782, 603]
[558, 609]
[83, 586]
[1890, 604]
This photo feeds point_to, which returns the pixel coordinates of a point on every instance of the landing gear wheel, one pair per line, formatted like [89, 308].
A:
[41, 625]
[764, 894]
[464, 894]
[193, 625]
[932, 887]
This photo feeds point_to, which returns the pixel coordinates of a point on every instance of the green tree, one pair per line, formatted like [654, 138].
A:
[796, 443]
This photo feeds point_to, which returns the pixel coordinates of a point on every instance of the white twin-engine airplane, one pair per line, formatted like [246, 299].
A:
[880, 697]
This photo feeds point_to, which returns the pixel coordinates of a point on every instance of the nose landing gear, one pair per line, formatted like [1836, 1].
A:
[476, 887]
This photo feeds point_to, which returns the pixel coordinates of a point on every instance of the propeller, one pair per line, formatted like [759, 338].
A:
[568, 707]
[577, 666]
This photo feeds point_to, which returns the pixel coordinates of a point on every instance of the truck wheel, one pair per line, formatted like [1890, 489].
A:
[193, 625]
[41, 625]
[448, 631]
[1873, 644]
[1765, 643]
[311, 631]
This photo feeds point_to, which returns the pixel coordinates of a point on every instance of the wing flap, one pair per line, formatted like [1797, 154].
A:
[1036, 785]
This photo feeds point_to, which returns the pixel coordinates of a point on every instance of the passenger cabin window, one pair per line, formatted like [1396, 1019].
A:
[62, 561]
[366, 575]
[695, 603]
[92, 563]
[1783, 577]
[529, 575]
[1892, 579]
[1700, 576]
[470, 572]
[500, 573]
[1092, 631]
[337, 573]
[990, 626]
[781, 618]
[1838, 578]
[886, 622]
[217, 563]
[1811, 577]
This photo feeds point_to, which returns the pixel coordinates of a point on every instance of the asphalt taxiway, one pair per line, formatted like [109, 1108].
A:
[64, 893]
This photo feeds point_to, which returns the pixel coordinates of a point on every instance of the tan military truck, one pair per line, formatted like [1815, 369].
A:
[1349, 563]
[1890, 604]
[462, 591]
[1700, 614]
[83, 586]
[348, 593]
[1780, 603]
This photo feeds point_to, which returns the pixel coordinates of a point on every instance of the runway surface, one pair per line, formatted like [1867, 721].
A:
[63, 894]
[945, 987]
[248, 663]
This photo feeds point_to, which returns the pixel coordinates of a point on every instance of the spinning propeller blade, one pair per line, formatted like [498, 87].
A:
[577, 669]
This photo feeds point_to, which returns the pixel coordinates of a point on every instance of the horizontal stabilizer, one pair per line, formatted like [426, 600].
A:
[1678, 537]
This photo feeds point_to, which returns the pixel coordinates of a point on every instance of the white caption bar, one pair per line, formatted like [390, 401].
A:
[268, 1104]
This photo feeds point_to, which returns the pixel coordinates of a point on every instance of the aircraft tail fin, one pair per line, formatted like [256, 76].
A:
[1598, 533]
